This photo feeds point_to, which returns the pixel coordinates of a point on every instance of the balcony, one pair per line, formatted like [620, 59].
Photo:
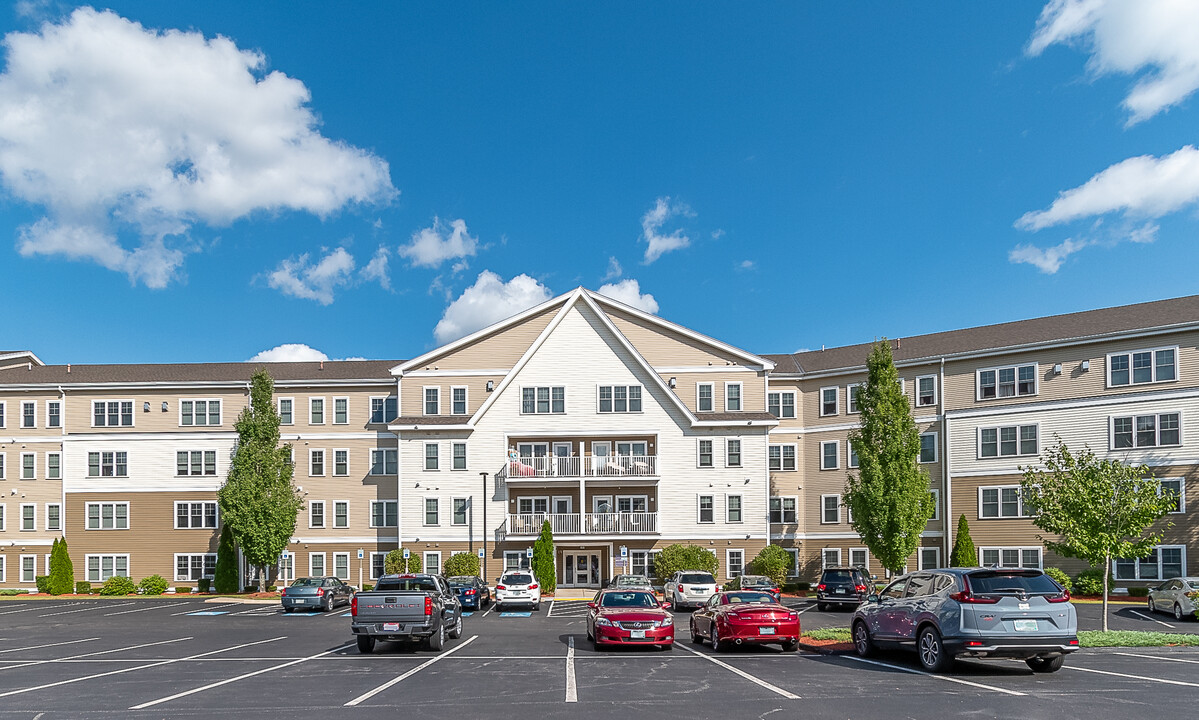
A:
[582, 524]
[605, 466]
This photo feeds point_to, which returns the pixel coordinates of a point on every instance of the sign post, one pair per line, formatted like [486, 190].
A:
[360, 568]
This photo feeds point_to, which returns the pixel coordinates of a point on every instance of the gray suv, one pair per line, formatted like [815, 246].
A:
[971, 612]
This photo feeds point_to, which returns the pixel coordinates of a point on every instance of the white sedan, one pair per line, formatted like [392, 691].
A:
[1176, 595]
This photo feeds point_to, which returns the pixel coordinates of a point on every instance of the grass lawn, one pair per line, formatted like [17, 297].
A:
[1133, 638]
[839, 634]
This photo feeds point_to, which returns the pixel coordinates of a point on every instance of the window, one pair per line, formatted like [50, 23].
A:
[316, 514]
[195, 566]
[706, 514]
[102, 567]
[705, 453]
[781, 404]
[830, 557]
[620, 398]
[384, 462]
[1005, 501]
[1014, 381]
[1, 414]
[1177, 488]
[1, 516]
[928, 558]
[199, 412]
[384, 409]
[782, 457]
[936, 504]
[341, 462]
[458, 400]
[1, 466]
[195, 462]
[112, 413]
[108, 516]
[1163, 561]
[1009, 441]
[829, 401]
[734, 560]
[703, 394]
[28, 568]
[384, 513]
[53, 414]
[830, 509]
[53, 516]
[316, 463]
[107, 464]
[1010, 557]
[732, 453]
[431, 511]
[341, 566]
[341, 411]
[460, 505]
[732, 396]
[732, 505]
[1142, 366]
[859, 557]
[928, 447]
[195, 515]
[851, 398]
[29, 517]
[1146, 431]
[431, 456]
[829, 450]
[377, 565]
[643, 562]
[29, 414]
[286, 414]
[783, 510]
[341, 514]
[28, 466]
[316, 564]
[316, 411]
[926, 390]
[432, 401]
[543, 400]
[53, 466]
[433, 563]
[853, 454]
[459, 456]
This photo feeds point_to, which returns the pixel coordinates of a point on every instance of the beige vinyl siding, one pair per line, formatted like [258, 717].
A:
[359, 488]
[499, 350]
[412, 392]
[662, 347]
[78, 413]
[753, 397]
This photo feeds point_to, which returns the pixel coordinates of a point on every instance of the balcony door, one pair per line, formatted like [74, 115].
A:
[564, 463]
[601, 455]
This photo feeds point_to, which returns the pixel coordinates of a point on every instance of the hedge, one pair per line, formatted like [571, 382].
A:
[118, 585]
[83, 588]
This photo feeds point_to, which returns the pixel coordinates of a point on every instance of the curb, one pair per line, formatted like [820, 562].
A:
[824, 649]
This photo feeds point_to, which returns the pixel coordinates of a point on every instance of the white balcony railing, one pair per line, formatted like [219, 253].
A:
[626, 523]
[573, 467]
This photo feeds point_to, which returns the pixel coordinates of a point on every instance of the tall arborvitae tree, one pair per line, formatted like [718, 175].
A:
[62, 571]
[543, 559]
[964, 554]
[258, 501]
[225, 578]
[889, 496]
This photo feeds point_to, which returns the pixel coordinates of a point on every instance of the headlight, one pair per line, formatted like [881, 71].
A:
[603, 621]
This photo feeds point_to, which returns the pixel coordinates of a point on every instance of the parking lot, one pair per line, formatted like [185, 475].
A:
[183, 657]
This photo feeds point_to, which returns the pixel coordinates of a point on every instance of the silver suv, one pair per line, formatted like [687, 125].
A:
[690, 588]
[971, 612]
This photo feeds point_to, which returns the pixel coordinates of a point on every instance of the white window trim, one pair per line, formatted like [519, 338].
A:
[936, 493]
[698, 385]
[1036, 380]
[520, 399]
[1107, 364]
[175, 518]
[59, 455]
[740, 452]
[21, 423]
[1157, 430]
[128, 516]
[424, 399]
[334, 574]
[3, 464]
[465, 520]
[782, 510]
[60, 417]
[697, 452]
[3, 569]
[47, 525]
[740, 497]
[613, 387]
[823, 519]
[324, 566]
[87, 562]
[370, 570]
[279, 410]
[179, 403]
[425, 560]
[333, 420]
[189, 556]
[465, 399]
[824, 550]
[466, 457]
[324, 516]
[324, 462]
[794, 403]
[3, 517]
[370, 404]
[782, 466]
[728, 565]
[740, 395]
[424, 511]
[698, 517]
[937, 449]
[836, 401]
[848, 406]
[936, 391]
[21, 518]
[1001, 488]
[864, 551]
[324, 410]
[849, 463]
[1021, 548]
[1182, 493]
[424, 457]
[836, 444]
[333, 504]
[334, 452]
[920, 556]
[999, 457]
[384, 502]
[21, 471]
[91, 408]
[1158, 548]
[21, 568]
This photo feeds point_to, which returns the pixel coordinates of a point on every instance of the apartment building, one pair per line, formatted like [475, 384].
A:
[623, 430]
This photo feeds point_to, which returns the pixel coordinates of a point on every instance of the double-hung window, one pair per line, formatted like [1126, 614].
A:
[53, 466]
[928, 447]
[432, 401]
[783, 510]
[732, 504]
[108, 464]
[703, 396]
[29, 516]
[53, 413]
[704, 458]
[28, 466]
[1001, 501]
[1162, 562]
[1137, 431]
[112, 413]
[926, 390]
[384, 513]
[53, 516]
[199, 412]
[195, 462]
[341, 462]
[830, 509]
[384, 409]
[1142, 366]
[458, 400]
[781, 404]
[29, 414]
[851, 398]
[1013, 381]
[1007, 441]
[829, 450]
[102, 567]
[782, 457]
[341, 411]
[286, 411]
[1010, 557]
[316, 411]
[829, 398]
[459, 508]
[732, 453]
[431, 511]
[341, 514]
[108, 516]
[1176, 488]
[195, 515]
[706, 512]
[732, 397]
[459, 449]
[431, 459]
[194, 566]
[316, 463]
[384, 461]
[619, 398]
[543, 400]
[316, 514]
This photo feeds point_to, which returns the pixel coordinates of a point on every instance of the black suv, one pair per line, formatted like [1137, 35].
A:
[842, 586]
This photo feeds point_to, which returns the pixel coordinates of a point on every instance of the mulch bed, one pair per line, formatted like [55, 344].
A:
[825, 646]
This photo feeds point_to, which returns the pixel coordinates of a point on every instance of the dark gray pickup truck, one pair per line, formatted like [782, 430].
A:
[406, 608]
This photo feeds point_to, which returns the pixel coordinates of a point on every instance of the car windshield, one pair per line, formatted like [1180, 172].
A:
[627, 580]
[749, 582]
[417, 583]
[518, 579]
[998, 583]
[1193, 582]
[697, 579]
[307, 582]
[737, 598]
[837, 576]
[628, 600]
[461, 581]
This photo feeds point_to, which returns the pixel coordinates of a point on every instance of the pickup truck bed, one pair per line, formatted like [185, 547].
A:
[406, 608]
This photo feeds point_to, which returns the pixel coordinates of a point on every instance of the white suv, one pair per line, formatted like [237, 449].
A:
[690, 588]
[517, 587]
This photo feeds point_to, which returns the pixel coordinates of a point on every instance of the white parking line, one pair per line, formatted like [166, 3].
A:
[400, 678]
[219, 683]
[1133, 677]
[572, 692]
[488, 612]
[1142, 615]
[742, 673]
[155, 607]
[35, 647]
[137, 667]
[550, 612]
[206, 607]
[1157, 657]
[37, 606]
[85, 609]
[946, 678]
[98, 652]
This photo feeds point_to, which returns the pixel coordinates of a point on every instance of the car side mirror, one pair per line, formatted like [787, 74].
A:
[666, 606]
[872, 598]
[591, 605]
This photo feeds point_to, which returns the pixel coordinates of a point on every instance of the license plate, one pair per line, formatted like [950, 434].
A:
[840, 591]
[765, 631]
[300, 602]
[637, 634]
[391, 626]
[698, 591]
[1025, 625]
[518, 592]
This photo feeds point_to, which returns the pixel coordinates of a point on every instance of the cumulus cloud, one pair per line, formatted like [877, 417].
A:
[432, 246]
[290, 352]
[488, 301]
[376, 269]
[628, 291]
[1047, 260]
[614, 270]
[126, 151]
[300, 278]
[651, 229]
[1153, 38]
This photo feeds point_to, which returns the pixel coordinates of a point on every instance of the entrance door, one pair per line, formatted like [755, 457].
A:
[564, 464]
[582, 570]
[600, 454]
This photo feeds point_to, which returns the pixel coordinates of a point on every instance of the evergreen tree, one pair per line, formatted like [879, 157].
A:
[225, 578]
[964, 554]
[62, 571]
[543, 559]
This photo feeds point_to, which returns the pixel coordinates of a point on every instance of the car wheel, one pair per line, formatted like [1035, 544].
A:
[695, 636]
[457, 631]
[327, 606]
[931, 650]
[437, 639]
[1152, 606]
[590, 636]
[861, 640]
[366, 644]
[717, 644]
[287, 609]
[791, 646]
[1046, 665]
[821, 606]
[1177, 612]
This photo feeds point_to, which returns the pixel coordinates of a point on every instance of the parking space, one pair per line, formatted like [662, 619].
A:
[166, 660]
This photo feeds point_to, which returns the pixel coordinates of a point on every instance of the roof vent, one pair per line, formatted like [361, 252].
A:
[322, 365]
[29, 366]
[68, 367]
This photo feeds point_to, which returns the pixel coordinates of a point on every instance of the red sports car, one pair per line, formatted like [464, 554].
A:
[629, 617]
[744, 616]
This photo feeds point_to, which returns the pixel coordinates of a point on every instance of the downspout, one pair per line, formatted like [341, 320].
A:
[946, 488]
[62, 454]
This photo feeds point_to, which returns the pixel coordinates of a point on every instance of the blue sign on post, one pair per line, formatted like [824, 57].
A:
[406, 553]
[529, 553]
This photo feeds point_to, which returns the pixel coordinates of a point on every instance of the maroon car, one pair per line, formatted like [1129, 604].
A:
[743, 616]
[629, 617]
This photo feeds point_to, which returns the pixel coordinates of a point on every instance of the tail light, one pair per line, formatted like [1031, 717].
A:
[320, 592]
[428, 606]
[822, 587]
[966, 596]
[354, 606]
[1064, 597]
[973, 643]
[284, 591]
[859, 588]
[470, 592]
[680, 588]
[533, 586]
[1073, 642]
[500, 587]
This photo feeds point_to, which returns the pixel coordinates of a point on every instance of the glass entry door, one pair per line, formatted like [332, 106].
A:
[583, 569]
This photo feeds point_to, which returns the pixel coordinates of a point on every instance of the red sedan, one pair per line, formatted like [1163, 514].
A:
[629, 617]
[743, 616]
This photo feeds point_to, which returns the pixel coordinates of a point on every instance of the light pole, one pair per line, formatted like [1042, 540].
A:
[485, 576]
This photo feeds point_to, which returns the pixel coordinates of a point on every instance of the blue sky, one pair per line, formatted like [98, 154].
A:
[207, 181]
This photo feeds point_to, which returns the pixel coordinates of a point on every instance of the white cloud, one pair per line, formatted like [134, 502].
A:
[651, 226]
[376, 269]
[290, 352]
[1047, 260]
[717, 234]
[614, 270]
[299, 278]
[434, 245]
[172, 130]
[486, 302]
[746, 265]
[628, 291]
[1153, 37]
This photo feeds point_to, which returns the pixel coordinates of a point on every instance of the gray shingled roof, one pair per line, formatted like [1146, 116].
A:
[200, 372]
[430, 420]
[735, 416]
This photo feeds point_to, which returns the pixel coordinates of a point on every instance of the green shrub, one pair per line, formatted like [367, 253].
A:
[225, 579]
[183, 590]
[462, 563]
[203, 585]
[9, 592]
[153, 585]
[118, 585]
[251, 589]
[963, 553]
[674, 558]
[43, 583]
[368, 587]
[1138, 592]
[543, 559]
[1090, 582]
[62, 571]
[773, 562]
[1061, 577]
[393, 562]
[83, 588]
[272, 588]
